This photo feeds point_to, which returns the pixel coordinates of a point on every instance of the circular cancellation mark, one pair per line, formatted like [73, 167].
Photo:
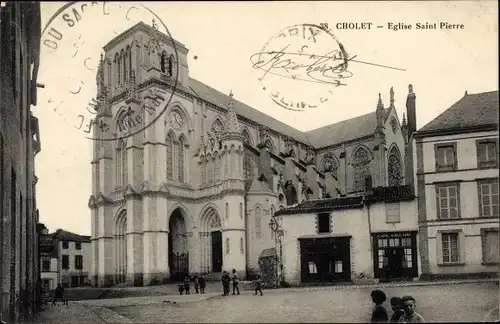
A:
[73, 66]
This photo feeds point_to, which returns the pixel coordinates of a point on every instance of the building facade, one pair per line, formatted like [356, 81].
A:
[19, 143]
[65, 259]
[457, 183]
[194, 192]
[369, 238]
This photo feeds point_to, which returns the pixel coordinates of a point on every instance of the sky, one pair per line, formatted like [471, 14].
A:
[222, 36]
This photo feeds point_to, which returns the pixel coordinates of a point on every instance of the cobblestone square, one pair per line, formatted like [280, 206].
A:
[437, 303]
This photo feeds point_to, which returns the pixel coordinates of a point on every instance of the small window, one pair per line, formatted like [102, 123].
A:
[324, 223]
[487, 154]
[312, 268]
[490, 246]
[78, 262]
[65, 262]
[448, 201]
[446, 157]
[450, 247]
[65, 245]
[78, 245]
[46, 265]
[392, 213]
[488, 198]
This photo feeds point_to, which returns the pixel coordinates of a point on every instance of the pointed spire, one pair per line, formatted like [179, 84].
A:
[465, 93]
[404, 121]
[231, 124]
[380, 105]
[391, 95]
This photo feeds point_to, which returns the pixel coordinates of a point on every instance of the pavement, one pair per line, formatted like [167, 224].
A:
[450, 301]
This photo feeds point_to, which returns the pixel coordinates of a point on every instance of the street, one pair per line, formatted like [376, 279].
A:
[472, 302]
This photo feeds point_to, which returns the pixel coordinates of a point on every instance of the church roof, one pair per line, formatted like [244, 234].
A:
[471, 111]
[345, 130]
[260, 184]
[379, 194]
[337, 133]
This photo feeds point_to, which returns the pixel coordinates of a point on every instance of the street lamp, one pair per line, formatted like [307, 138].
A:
[278, 234]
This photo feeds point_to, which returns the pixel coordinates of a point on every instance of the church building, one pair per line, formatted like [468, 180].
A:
[195, 191]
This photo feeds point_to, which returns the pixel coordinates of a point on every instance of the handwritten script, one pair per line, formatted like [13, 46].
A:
[304, 65]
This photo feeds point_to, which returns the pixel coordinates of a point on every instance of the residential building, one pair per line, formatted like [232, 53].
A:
[19, 143]
[456, 158]
[194, 192]
[363, 239]
[65, 259]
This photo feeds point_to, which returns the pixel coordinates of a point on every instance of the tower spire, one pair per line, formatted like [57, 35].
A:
[231, 123]
[380, 105]
[391, 96]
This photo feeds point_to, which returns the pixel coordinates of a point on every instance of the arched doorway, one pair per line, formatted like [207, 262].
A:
[120, 247]
[211, 241]
[178, 256]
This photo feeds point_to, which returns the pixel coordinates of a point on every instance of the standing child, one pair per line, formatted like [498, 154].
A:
[235, 283]
[187, 285]
[397, 307]
[410, 315]
[202, 284]
[181, 287]
[258, 285]
[379, 314]
[196, 284]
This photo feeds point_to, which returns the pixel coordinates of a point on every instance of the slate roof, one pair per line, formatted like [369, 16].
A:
[63, 235]
[379, 194]
[345, 130]
[472, 110]
[337, 133]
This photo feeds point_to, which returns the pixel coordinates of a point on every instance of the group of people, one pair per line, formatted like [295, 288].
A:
[227, 279]
[403, 309]
[199, 285]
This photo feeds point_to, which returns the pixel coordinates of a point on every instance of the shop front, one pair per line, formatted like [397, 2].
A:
[395, 255]
[325, 259]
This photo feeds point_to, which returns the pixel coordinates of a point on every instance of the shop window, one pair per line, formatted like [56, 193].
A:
[312, 268]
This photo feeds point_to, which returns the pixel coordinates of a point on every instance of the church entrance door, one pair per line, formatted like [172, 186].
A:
[178, 256]
[216, 251]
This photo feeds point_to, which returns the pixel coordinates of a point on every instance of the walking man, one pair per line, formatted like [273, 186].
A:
[236, 287]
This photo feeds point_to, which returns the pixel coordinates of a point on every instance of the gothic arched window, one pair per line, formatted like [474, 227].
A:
[210, 170]
[110, 75]
[246, 137]
[227, 246]
[125, 66]
[241, 210]
[203, 172]
[258, 222]
[217, 162]
[170, 65]
[217, 127]
[394, 168]
[180, 159]
[269, 144]
[227, 210]
[330, 164]
[361, 168]
[163, 62]
[242, 246]
[121, 164]
[170, 157]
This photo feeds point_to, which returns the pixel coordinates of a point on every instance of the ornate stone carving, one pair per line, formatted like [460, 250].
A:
[310, 156]
[164, 187]
[92, 201]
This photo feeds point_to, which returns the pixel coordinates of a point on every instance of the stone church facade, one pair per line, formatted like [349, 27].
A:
[194, 192]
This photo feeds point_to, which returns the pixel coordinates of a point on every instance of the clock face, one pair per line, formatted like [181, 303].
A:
[394, 124]
[176, 120]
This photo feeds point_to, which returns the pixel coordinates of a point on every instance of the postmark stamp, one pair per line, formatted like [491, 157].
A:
[298, 57]
[84, 80]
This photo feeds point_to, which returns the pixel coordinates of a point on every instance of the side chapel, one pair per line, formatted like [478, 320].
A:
[195, 191]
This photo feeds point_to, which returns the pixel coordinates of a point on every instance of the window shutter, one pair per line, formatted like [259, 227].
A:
[438, 208]
[439, 248]
[461, 247]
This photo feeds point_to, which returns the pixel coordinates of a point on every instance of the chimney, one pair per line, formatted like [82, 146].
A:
[411, 111]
